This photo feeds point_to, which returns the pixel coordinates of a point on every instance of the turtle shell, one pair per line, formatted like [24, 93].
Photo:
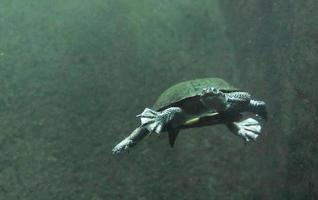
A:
[187, 91]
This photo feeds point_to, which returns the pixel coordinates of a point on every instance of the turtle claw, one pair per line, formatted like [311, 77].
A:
[248, 129]
[155, 121]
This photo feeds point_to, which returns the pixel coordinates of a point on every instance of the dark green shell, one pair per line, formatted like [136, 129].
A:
[189, 89]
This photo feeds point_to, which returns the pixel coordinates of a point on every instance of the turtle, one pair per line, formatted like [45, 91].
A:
[196, 103]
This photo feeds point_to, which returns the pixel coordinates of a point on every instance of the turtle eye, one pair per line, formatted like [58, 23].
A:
[214, 90]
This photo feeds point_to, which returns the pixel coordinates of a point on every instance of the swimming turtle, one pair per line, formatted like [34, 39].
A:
[195, 103]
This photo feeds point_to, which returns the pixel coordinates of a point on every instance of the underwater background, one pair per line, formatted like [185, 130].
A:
[75, 73]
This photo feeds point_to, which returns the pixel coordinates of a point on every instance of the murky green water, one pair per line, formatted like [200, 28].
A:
[74, 74]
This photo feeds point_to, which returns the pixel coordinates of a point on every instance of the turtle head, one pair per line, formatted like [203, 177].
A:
[211, 91]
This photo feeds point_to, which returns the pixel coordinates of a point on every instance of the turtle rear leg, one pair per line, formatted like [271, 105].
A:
[137, 135]
[155, 121]
[249, 129]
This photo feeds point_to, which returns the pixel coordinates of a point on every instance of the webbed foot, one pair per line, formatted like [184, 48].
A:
[155, 121]
[248, 129]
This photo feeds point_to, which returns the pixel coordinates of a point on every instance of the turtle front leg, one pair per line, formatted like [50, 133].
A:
[259, 108]
[155, 121]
